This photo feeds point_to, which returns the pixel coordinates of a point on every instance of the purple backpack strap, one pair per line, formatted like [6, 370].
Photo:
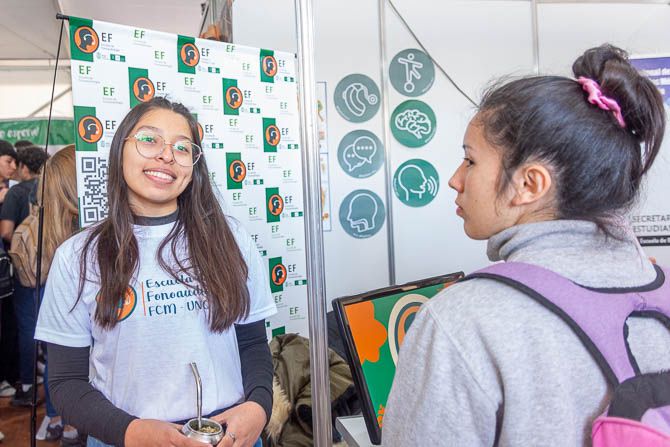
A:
[597, 316]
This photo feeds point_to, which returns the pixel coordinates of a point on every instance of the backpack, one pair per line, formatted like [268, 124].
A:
[6, 274]
[638, 414]
[23, 251]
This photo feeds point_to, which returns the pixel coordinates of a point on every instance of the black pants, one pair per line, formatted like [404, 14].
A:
[9, 352]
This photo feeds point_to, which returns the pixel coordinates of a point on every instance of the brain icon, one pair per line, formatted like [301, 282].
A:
[415, 122]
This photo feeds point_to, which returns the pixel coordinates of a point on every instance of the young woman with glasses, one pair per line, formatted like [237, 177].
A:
[166, 279]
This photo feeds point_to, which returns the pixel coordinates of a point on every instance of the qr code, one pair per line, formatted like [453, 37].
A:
[93, 195]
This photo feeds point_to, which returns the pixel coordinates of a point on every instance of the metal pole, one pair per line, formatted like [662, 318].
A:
[386, 139]
[536, 37]
[318, 334]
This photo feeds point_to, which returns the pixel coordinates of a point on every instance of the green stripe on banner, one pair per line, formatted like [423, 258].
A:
[84, 40]
[274, 205]
[140, 87]
[188, 54]
[60, 134]
[236, 170]
[232, 97]
[88, 128]
[281, 330]
[277, 274]
[268, 65]
[271, 135]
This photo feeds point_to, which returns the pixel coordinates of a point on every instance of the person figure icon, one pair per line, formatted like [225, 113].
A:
[412, 72]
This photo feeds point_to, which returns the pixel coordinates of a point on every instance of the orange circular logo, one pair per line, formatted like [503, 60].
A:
[237, 171]
[201, 132]
[234, 97]
[275, 204]
[189, 55]
[86, 39]
[269, 65]
[272, 135]
[90, 129]
[143, 89]
[278, 274]
[127, 304]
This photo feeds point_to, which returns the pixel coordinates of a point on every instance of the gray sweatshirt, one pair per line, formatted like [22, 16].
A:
[483, 358]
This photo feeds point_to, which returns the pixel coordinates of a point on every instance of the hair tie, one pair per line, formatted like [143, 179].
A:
[597, 98]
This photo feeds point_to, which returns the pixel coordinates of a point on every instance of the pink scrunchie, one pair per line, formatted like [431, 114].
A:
[597, 98]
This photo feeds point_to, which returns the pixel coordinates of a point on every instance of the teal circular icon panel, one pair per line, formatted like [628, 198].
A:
[416, 182]
[362, 214]
[412, 73]
[357, 98]
[360, 153]
[413, 123]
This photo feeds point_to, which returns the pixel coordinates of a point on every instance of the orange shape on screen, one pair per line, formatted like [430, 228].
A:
[369, 334]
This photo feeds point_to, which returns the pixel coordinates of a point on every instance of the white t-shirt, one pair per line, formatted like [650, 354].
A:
[142, 364]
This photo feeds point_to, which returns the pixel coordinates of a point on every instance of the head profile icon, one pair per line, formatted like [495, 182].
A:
[234, 97]
[362, 212]
[86, 39]
[190, 55]
[270, 65]
[90, 129]
[412, 183]
[143, 89]
[275, 205]
[237, 171]
[278, 274]
[272, 135]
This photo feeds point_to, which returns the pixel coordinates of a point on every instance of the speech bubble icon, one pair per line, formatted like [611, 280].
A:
[351, 159]
[365, 148]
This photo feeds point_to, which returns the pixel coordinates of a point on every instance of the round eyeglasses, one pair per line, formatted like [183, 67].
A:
[150, 145]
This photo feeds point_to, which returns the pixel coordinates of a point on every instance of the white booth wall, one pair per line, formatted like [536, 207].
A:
[475, 42]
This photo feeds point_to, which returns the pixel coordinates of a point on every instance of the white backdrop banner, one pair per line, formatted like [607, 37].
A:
[245, 101]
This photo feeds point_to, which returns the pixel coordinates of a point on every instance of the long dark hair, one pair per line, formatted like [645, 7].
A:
[214, 258]
[598, 164]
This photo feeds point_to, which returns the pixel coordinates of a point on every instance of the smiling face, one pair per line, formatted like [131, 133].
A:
[484, 212]
[154, 184]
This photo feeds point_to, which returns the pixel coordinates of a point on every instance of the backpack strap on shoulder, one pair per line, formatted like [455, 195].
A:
[596, 317]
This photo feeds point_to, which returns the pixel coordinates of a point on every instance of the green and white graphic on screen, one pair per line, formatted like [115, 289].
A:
[362, 214]
[412, 72]
[413, 123]
[378, 327]
[416, 183]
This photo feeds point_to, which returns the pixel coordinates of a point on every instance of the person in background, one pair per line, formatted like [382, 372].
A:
[15, 209]
[61, 220]
[552, 165]
[119, 370]
[9, 360]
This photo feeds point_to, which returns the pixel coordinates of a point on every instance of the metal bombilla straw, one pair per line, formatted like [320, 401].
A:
[198, 390]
